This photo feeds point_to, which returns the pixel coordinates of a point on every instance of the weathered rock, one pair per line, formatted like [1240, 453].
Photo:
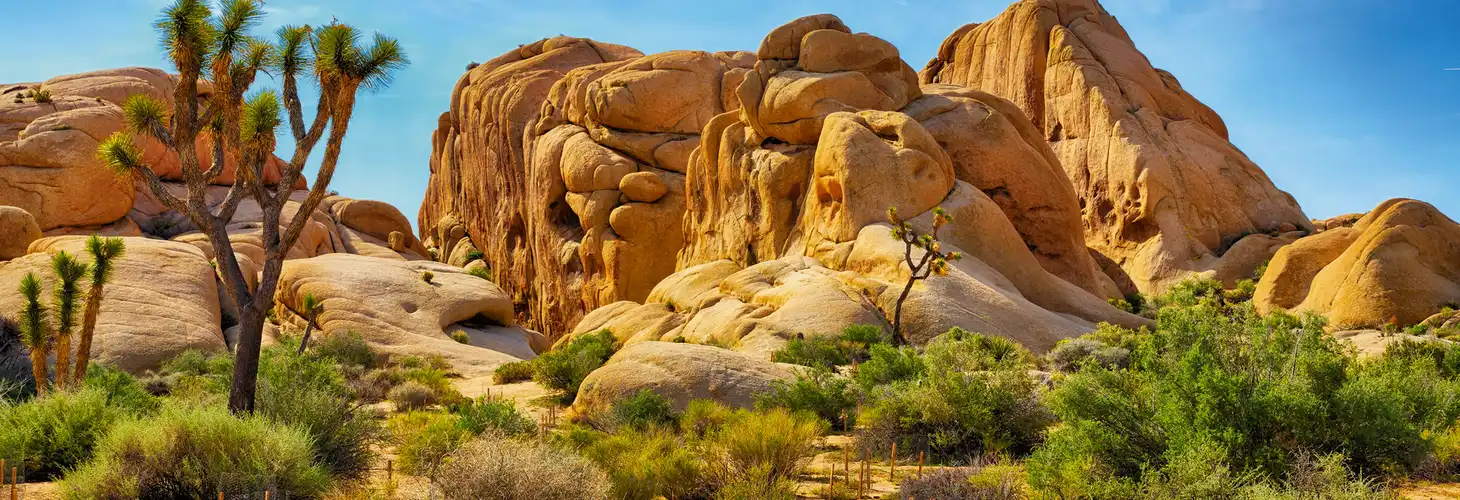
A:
[681, 373]
[161, 301]
[17, 230]
[377, 219]
[1398, 264]
[399, 312]
[1160, 186]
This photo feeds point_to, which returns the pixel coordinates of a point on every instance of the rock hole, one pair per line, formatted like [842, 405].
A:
[409, 307]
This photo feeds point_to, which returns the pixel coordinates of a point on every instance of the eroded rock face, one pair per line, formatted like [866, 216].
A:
[17, 230]
[48, 162]
[398, 312]
[1163, 194]
[784, 233]
[1400, 263]
[162, 299]
[681, 373]
[563, 162]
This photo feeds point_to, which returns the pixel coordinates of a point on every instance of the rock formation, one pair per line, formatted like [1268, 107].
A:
[165, 297]
[681, 373]
[1162, 193]
[770, 216]
[1398, 264]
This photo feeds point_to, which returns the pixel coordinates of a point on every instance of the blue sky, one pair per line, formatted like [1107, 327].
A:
[1344, 103]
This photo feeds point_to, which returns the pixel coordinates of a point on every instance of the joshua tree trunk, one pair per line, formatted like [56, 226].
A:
[38, 369]
[308, 328]
[246, 361]
[63, 359]
[88, 327]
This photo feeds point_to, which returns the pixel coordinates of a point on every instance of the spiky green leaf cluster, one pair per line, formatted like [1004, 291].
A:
[338, 55]
[187, 33]
[290, 56]
[121, 154]
[233, 24]
[145, 115]
[104, 252]
[69, 272]
[310, 303]
[260, 116]
[35, 328]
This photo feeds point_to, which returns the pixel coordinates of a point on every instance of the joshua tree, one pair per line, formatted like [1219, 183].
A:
[221, 49]
[69, 272]
[311, 308]
[35, 329]
[104, 251]
[933, 261]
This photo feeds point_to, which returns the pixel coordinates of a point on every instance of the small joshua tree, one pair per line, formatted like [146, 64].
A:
[221, 49]
[69, 272]
[310, 307]
[104, 252]
[933, 261]
[35, 329]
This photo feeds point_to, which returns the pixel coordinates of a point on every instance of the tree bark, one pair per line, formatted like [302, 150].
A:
[246, 360]
[63, 359]
[308, 328]
[88, 327]
[38, 370]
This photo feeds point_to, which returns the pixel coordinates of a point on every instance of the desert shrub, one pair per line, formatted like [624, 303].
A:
[412, 395]
[645, 409]
[437, 379]
[375, 385]
[886, 364]
[957, 350]
[309, 393]
[428, 277]
[496, 415]
[758, 483]
[957, 415]
[1069, 355]
[475, 255]
[346, 348]
[564, 369]
[516, 371]
[703, 416]
[1318, 477]
[818, 391]
[121, 389]
[649, 464]
[494, 467]
[460, 337]
[817, 352]
[998, 481]
[480, 272]
[1191, 293]
[41, 95]
[196, 451]
[48, 435]
[424, 438]
[763, 449]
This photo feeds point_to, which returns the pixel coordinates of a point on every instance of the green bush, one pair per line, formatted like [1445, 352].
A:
[824, 352]
[121, 389]
[887, 364]
[764, 450]
[957, 350]
[480, 272]
[461, 337]
[649, 464]
[508, 469]
[195, 452]
[424, 438]
[986, 482]
[516, 371]
[818, 391]
[703, 416]
[345, 348]
[375, 385]
[309, 393]
[644, 410]
[412, 395]
[1071, 354]
[955, 414]
[48, 435]
[564, 369]
[497, 415]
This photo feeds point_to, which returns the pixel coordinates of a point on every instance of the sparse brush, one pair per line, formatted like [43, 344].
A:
[492, 466]
[41, 95]
[412, 395]
[493, 415]
[428, 277]
[461, 337]
[516, 371]
[480, 272]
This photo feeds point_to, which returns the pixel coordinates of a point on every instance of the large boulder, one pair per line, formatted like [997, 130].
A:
[1398, 264]
[1163, 193]
[161, 300]
[17, 230]
[399, 311]
[681, 373]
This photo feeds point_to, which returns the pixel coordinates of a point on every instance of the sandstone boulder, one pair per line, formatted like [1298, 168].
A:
[680, 373]
[1398, 264]
[399, 312]
[162, 300]
[17, 230]
[1163, 193]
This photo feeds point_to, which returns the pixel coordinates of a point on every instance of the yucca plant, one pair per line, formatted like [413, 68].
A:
[35, 329]
[69, 272]
[310, 307]
[242, 125]
[933, 261]
[104, 252]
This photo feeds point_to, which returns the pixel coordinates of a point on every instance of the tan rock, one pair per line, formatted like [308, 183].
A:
[680, 373]
[17, 230]
[1160, 185]
[1400, 264]
[162, 300]
[644, 187]
[376, 218]
[399, 313]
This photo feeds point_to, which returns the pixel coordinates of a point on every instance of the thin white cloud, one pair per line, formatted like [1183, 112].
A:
[1452, 69]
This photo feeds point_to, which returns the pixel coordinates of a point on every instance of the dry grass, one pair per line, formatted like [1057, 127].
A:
[510, 469]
